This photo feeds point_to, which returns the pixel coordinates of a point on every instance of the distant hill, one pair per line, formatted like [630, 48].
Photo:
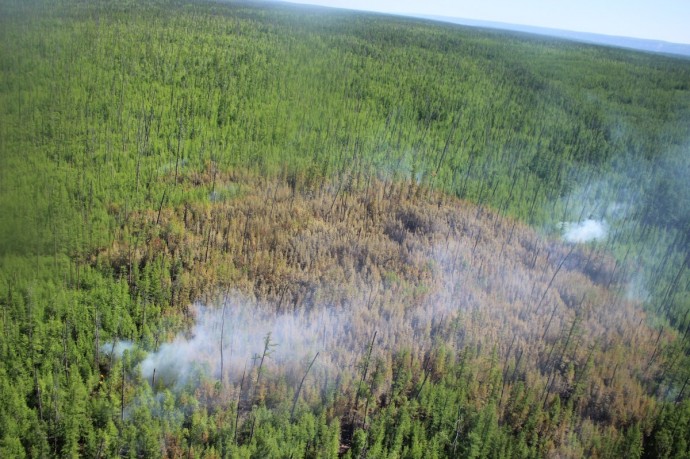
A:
[640, 44]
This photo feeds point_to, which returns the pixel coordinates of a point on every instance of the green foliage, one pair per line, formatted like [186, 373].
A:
[670, 437]
[114, 113]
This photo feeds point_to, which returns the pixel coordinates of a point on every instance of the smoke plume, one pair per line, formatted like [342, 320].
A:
[241, 329]
[586, 231]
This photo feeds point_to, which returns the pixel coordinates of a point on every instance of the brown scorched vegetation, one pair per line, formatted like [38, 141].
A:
[434, 279]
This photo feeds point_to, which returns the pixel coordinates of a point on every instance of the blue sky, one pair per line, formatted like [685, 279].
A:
[667, 20]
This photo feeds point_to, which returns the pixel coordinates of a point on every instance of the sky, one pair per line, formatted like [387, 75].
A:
[665, 20]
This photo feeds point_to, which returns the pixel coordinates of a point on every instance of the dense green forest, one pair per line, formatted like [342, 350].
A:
[235, 229]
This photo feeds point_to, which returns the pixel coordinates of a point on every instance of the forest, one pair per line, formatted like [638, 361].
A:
[261, 230]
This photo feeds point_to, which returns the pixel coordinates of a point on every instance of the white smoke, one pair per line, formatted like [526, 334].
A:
[117, 348]
[294, 337]
[586, 231]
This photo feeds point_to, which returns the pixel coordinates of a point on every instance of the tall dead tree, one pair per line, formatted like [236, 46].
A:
[299, 389]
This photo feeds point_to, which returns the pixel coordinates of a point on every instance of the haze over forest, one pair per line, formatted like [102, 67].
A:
[234, 229]
[640, 44]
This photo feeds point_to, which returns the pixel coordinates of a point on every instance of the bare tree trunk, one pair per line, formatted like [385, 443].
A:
[122, 394]
[299, 389]
[160, 207]
[97, 349]
[364, 377]
[222, 335]
[38, 394]
[239, 397]
[266, 353]
[560, 265]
